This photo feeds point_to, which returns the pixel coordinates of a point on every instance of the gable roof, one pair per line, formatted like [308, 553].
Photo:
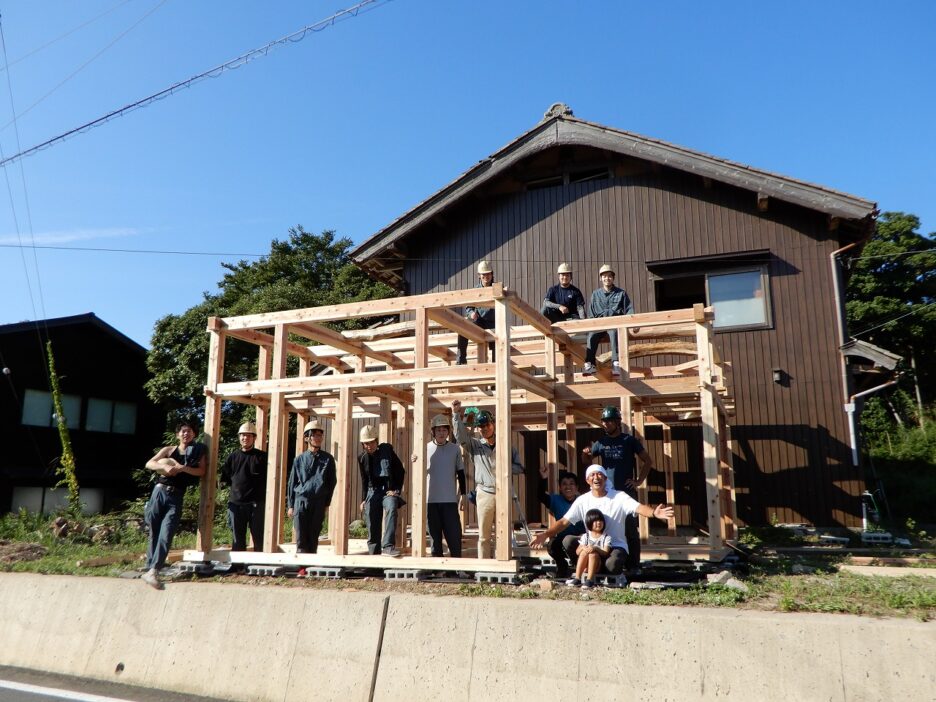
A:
[560, 128]
[74, 320]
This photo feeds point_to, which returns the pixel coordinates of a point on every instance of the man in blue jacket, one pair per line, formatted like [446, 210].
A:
[482, 316]
[309, 491]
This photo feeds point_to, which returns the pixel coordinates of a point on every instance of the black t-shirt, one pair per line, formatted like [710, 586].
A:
[570, 297]
[193, 454]
[617, 457]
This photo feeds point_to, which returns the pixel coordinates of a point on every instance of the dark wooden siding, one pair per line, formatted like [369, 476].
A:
[792, 461]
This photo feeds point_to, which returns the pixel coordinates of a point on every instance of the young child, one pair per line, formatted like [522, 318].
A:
[594, 547]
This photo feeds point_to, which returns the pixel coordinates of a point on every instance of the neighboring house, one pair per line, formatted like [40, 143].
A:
[679, 227]
[114, 428]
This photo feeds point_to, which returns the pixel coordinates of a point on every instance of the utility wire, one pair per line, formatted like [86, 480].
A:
[215, 72]
[86, 63]
[905, 314]
[63, 36]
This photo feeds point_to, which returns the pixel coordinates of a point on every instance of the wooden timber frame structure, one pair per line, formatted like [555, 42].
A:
[401, 381]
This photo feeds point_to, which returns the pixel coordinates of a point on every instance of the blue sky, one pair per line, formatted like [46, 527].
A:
[354, 125]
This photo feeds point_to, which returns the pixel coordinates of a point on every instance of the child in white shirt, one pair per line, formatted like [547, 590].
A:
[594, 547]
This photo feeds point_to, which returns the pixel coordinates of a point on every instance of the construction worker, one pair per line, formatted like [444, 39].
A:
[563, 301]
[615, 451]
[381, 485]
[482, 316]
[446, 470]
[606, 301]
[616, 506]
[482, 452]
[309, 490]
[245, 471]
[177, 467]
[558, 504]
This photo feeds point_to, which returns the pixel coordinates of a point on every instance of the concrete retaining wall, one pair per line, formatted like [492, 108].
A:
[249, 643]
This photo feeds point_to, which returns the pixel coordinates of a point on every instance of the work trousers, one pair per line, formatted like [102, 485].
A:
[462, 357]
[244, 515]
[307, 525]
[613, 565]
[443, 519]
[559, 555]
[595, 338]
[162, 515]
[380, 508]
[554, 315]
[486, 521]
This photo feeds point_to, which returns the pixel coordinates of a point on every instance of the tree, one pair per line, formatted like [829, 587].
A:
[891, 296]
[306, 270]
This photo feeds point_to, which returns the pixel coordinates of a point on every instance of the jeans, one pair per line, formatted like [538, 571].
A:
[443, 519]
[487, 511]
[614, 565]
[162, 515]
[595, 338]
[242, 516]
[377, 506]
[307, 524]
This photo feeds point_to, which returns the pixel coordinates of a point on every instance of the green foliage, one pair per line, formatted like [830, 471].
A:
[69, 477]
[306, 270]
[905, 460]
[896, 275]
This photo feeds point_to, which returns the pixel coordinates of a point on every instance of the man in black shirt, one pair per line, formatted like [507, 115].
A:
[563, 301]
[177, 467]
[381, 483]
[483, 317]
[245, 471]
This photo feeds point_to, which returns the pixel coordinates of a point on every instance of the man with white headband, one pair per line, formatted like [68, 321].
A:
[616, 506]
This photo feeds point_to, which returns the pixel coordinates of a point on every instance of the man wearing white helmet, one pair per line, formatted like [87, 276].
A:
[446, 468]
[482, 316]
[606, 301]
[381, 484]
[563, 301]
[309, 490]
[245, 471]
[615, 506]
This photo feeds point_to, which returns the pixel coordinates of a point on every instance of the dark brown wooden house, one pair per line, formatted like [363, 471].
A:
[679, 227]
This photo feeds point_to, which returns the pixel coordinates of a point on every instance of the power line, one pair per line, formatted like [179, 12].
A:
[134, 251]
[215, 72]
[906, 314]
[63, 36]
[88, 62]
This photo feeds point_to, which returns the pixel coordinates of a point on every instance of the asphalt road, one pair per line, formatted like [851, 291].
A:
[19, 685]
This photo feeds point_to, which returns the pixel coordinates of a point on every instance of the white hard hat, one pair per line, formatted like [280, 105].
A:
[564, 268]
[368, 433]
[484, 267]
[312, 425]
[247, 428]
[606, 269]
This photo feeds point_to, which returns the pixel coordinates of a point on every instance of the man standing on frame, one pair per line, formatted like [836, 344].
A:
[310, 488]
[616, 451]
[446, 471]
[483, 317]
[381, 483]
[245, 471]
[606, 301]
[177, 467]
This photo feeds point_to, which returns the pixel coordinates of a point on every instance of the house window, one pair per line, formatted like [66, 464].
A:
[38, 410]
[110, 416]
[740, 296]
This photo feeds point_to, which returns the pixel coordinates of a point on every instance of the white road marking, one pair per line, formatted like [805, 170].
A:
[57, 692]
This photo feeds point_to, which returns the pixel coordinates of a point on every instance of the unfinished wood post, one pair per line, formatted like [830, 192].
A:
[263, 373]
[627, 403]
[305, 367]
[668, 476]
[642, 490]
[417, 498]
[572, 454]
[277, 470]
[552, 428]
[212, 428]
[709, 427]
[503, 478]
[339, 512]
[385, 426]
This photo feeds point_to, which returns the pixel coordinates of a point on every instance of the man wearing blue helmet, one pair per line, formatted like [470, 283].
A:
[615, 451]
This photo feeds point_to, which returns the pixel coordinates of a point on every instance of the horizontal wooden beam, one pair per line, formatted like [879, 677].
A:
[335, 339]
[634, 388]
[460, 325]
[476, 297]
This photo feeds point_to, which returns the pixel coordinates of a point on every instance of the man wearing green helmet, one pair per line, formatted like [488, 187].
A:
[615, 451]
[482, 452]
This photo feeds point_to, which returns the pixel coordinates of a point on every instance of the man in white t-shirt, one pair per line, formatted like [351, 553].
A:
[616, 506]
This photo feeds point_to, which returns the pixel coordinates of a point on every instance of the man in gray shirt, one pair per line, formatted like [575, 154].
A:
[482, 452]
[606, 301]
[445, 469]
